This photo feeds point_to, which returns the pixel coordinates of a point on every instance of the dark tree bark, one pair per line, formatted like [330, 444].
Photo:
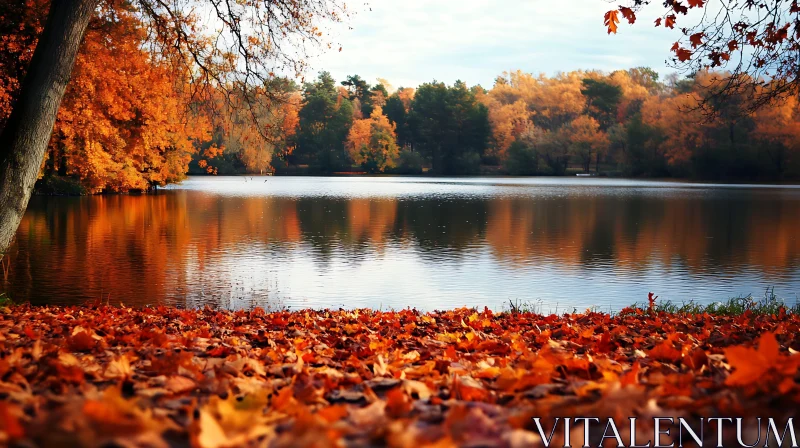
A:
[24, 139]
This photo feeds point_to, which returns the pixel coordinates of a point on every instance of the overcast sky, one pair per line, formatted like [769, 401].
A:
[409, 42]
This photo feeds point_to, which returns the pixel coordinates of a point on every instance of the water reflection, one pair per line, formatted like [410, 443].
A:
[408, 242]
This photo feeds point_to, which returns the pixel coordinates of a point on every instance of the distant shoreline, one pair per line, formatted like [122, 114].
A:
[67, 186]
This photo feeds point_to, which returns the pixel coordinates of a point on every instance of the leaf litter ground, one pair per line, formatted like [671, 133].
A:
[117, 376]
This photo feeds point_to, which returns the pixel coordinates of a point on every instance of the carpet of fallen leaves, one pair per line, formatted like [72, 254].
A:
[99, 375]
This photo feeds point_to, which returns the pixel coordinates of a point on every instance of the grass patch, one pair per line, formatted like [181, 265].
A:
[769, 304]
[519, 307]
[5, 301]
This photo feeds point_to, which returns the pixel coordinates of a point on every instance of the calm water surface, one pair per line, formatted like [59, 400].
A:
[396, 242]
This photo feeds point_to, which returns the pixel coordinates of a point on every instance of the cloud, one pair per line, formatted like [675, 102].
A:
[416, 41]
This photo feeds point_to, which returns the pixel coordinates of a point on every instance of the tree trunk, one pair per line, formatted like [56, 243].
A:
[24, 139]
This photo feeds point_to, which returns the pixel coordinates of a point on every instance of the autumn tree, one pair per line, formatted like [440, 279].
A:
[586, 140]
[508, 122]
[552, 102]
[777, 134]
[243, 144]
[116, 130]
[371, 142]
[646, 77]
[378, 95]
[248, 42]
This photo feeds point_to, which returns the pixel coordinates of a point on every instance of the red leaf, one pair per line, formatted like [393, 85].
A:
[398, 404]
[696, 39]
[665, 352]
[683, 54]
[628, 14]
[81, 342]
[651, 299]
[679, 8]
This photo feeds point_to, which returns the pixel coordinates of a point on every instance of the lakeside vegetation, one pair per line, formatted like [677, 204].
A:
[625, 123]
[769, 305]
[128, 128]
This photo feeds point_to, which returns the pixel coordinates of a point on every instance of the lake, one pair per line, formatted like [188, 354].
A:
[397, 242]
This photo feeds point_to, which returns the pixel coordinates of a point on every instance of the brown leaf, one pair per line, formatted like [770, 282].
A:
[179, 384]
[696, 39]
[628, 14]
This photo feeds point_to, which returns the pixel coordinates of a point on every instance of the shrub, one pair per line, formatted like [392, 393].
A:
[408, 162]
[59, 186]
[522, 159]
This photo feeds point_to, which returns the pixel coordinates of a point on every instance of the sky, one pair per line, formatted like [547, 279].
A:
[409, 42]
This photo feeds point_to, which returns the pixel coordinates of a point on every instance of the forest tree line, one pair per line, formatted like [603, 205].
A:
[628, 122]
[130, 120]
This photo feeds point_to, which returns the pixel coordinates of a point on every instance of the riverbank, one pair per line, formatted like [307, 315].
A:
[161, 376]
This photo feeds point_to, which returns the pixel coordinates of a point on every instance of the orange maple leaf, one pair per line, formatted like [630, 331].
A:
[751, 364]
[669, 22]
[631, 376]
[665, 352]
[611, 20]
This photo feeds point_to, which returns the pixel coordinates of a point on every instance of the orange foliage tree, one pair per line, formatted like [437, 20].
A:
[165, 50]
[119, 129]
[372, 142]
[253, 132]
[586, 140]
